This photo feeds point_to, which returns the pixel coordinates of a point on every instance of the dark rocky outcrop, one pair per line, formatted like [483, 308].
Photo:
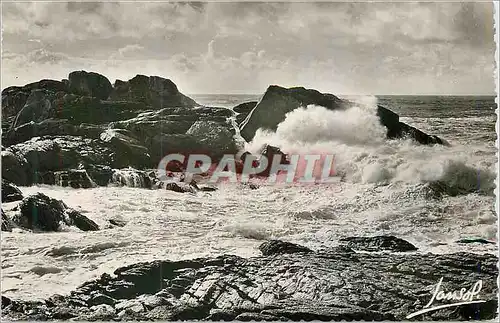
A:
[298, 284]
[155, 91]
[278, 101]
[378, 243]
[41, 213]
[89, 84]
[14, 98]
[10, 192]
[134, 124]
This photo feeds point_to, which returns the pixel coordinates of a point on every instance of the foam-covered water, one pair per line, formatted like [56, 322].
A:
[384, 192]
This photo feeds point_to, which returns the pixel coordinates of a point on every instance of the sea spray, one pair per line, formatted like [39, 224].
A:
[356, 138]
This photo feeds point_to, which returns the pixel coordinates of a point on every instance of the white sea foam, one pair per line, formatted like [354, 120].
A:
[362, 155]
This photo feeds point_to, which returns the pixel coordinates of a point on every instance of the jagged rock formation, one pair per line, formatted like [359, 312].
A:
[41, 213]
[289, 282]
[85, 123]
[278, 101]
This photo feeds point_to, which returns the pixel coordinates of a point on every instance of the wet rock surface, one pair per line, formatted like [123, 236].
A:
[378, 243]
[291, 282]
[41, 213]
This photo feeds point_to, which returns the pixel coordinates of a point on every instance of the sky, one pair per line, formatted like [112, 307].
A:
[340, 48]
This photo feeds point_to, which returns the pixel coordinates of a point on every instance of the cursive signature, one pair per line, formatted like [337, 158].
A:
[461, 297]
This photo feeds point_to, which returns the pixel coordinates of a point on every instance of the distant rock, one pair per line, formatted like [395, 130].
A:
[89, 84]
[155, 91]
[278, 101]
[10, 192]
[291, 283]
[378, 243]
[41, 213]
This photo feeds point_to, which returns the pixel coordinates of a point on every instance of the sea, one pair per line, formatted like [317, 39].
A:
[383, 193]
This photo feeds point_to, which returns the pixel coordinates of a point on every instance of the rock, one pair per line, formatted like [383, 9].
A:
[179, 187]
[278, 101]
[270, 152]
[216, 139]
[118, 222]
[135, 178]
[54, 153]
[128, 151]
[74, 110]
[243, 110]
[14, 98]
[155, 91]
[207, 189]
[15, 168]
[379, 243]
[476, 240]
[38, 107]
[89, 84]
[282, 286]
[75, 178]
[10, 192]
[279, 247]
[75, 218]
[6, 226]
[40, 212]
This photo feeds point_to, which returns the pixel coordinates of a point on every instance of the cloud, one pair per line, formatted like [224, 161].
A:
[444, 47]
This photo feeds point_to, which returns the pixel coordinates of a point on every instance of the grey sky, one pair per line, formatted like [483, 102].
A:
[344, 48]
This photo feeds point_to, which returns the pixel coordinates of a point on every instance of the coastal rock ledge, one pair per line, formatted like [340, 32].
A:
[290, 282]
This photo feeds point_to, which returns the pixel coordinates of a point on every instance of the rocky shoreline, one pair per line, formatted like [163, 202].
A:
[288, 282]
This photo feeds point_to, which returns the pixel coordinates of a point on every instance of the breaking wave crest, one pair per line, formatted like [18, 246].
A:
[363, 155]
